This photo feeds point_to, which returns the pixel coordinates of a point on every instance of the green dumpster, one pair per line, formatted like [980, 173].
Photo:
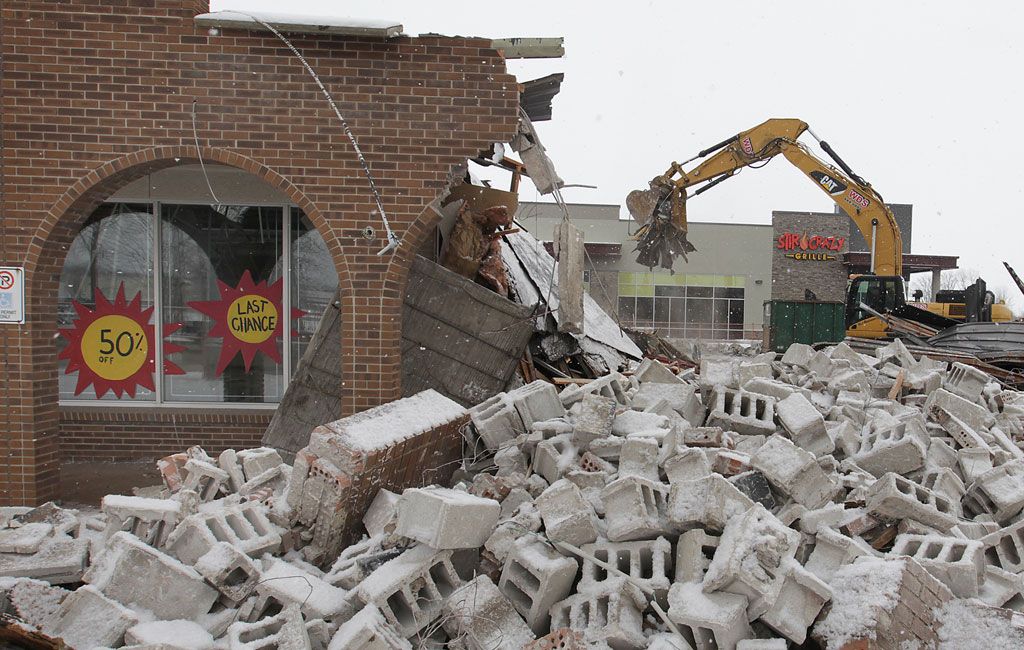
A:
[799, 321]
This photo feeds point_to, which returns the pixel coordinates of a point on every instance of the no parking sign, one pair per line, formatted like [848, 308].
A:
[12, 294]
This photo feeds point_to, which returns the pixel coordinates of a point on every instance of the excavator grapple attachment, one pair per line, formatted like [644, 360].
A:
[642, 204]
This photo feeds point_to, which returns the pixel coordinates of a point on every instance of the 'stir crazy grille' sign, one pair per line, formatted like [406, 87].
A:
[804, 247]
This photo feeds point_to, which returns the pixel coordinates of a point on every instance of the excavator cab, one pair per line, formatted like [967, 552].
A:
[883, 294]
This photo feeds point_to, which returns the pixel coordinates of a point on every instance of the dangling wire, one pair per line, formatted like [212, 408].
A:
[393, 240]
[199, 153]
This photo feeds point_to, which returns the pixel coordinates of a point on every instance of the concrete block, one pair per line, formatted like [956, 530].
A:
[88, 619]
[479, 615]
[742, 412]
[957, 563]
[762, 644]
[648, 563]
[973, 462]
[285, 631]
[655, 372]
[497, 421]
[798, 604]
[560, 639]
[283, 583]
[753, 370]
[381, 517]
[899, 448]
[798, 354]
[410, 590]
[567, 516]
[640, 424]
[594, 419]
[1001, 588]
[684, 399]
[694, 551]
[793, 472]
[526, 520]
[151, 520]
[974, 416]
[774, 388]
[553, 458]
[895, 497]
[59, 560]
[728, 462]
[750, 558]
[128, 570]
[244, 526]
[833, 550]
[25, 539]
[639, 457]
[612, 385]
[634, 508]
[233, 573]
[720, 373]
[945, 481]
[708, 503]
[1004, 548]
[368, 630]
[712, 621]
[705, 437]
[446, 519]
[536, 402]
[999, 492]
[534, 578]
[258, 460]
[687, 465]
[204, 478]
[940, 454]
[966, 381]
[228, 461]
[804, 424]
[167, 635]
[608, 614]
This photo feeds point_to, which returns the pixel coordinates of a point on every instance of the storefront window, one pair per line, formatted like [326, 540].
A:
[239, 294]
[683, 306]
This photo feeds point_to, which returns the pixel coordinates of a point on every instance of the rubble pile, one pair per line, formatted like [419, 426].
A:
[764, 502]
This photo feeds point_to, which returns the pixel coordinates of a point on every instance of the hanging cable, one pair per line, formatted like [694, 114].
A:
[393, 240]
[199, 153]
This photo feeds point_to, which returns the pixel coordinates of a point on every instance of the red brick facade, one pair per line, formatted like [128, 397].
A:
[97, 93]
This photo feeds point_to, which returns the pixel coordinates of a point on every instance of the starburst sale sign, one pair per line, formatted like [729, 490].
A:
[248, 318]
[112, 347]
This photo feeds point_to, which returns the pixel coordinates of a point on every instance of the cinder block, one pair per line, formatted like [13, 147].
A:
[612, 385]
[957, 563]
[536, 402]
[634, 508]
[285, 631]
[804, 424]
[694, 551]
[553, 458]
[60, 560]
[708, 502]
[560, 639]
[497, 421]
[25, 539]
[568, 517]
[798, 604]
[639, 457]
[794, 472]
[534, 578]
[798, 354]
[833, 550]
[895, 497]
[526, 520]
[244, 526]
[609, 613]
[999, 491]
[742, 412]
[712, 621]
[687, 465]
[259, 460]
[446, 519]
[480, 616]
[899, 448]
[89, 619]
[204, 478]
[966, 381]
[750, 558]
[228, 461]
[153, 635]
[233, 573]
[1004, 548]
[381, 517]
[594, 419]
[684, 399]
[647, 562]
[974, 416]
[653, 371]
[368, 630]
[128, 570]
[283, 583]
[411, 589]
[151, 520]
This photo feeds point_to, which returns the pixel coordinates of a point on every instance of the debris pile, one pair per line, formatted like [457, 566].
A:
[824, 496]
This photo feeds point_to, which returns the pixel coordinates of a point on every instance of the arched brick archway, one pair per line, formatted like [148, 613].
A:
[40, 444]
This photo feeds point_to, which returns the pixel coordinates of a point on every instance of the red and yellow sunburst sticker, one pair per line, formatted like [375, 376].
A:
[247, 318]
[112, 347]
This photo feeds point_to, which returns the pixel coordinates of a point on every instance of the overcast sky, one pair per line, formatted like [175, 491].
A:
[923, 99]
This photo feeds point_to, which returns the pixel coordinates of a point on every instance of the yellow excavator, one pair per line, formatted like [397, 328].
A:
[661, 213]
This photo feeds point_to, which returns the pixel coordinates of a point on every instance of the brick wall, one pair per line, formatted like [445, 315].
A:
[98, 93]
[90, 433]
[792, 276]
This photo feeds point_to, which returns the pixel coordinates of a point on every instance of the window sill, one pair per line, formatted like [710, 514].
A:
[167, 407]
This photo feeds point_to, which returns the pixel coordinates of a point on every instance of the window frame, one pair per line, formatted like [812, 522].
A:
[290, 212]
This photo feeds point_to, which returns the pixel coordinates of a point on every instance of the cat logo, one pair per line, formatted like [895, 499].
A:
[830, 185]
[748, 148]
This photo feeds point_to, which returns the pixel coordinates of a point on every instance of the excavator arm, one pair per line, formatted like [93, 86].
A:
[661, 210]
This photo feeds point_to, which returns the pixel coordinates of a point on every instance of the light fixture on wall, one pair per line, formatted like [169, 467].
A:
[758, 281]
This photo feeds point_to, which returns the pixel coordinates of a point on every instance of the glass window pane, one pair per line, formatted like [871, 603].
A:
[698, 292]
[217, 264]
[644, 312]
[314, 281]
[678, 312]
[721, 315]
[114, 249]
[627, 311]
[698, 311]
[661, 316]
[736, 312]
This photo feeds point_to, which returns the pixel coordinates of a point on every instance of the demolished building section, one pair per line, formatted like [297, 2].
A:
[818, 501]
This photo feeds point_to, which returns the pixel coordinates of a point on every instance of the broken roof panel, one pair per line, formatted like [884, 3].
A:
[530, 48]
[537, 94]
[302, 23]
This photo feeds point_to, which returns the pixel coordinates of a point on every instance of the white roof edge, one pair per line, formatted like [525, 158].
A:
[302, 24]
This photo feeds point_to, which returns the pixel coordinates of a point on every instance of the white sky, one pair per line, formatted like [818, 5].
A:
[923, 99]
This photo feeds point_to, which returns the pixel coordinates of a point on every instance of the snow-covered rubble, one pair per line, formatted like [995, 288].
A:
[766, 501]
